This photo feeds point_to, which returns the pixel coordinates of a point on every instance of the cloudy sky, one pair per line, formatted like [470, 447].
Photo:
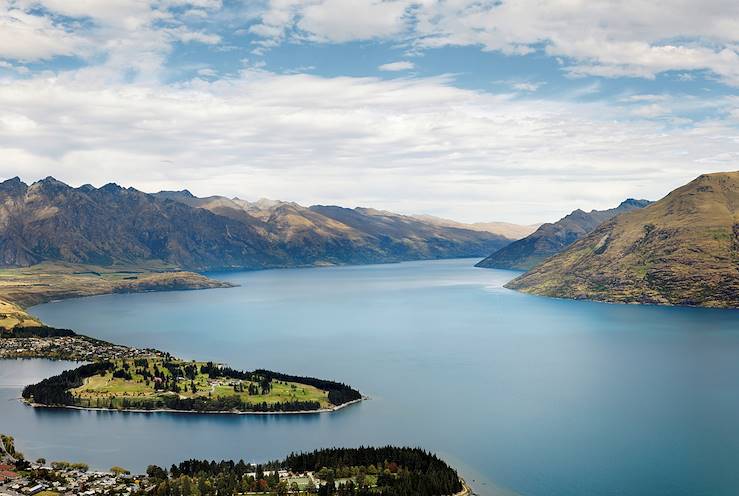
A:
[471, 109]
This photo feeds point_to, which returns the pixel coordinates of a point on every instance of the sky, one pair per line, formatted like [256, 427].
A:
[474, 110]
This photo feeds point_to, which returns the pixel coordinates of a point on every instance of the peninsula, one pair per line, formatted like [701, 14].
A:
[166, 383]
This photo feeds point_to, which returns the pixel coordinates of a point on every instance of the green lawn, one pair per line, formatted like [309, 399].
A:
[102, 390]
[303, 482]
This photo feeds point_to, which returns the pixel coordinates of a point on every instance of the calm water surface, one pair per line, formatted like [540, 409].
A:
[539, 396]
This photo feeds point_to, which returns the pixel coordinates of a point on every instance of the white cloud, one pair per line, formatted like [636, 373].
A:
[339, 20]
[207, 72]
[132, 36]
[645, 98]
[332, 21]
[651, 110]
[351, 140]
[608, 38]
[32, 37]
[402, 65]
[20, 69]
[526, 86]
[480, 155]
[12, 123]
[601, 37]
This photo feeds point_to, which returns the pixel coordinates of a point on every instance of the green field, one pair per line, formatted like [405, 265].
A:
[153, 378]
[302, 482]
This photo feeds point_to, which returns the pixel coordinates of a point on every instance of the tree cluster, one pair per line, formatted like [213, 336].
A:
[405, 471]
[217, 404]
[55, 390]
[36, 332]
[215, 371]
[338, 393]
[397, 471]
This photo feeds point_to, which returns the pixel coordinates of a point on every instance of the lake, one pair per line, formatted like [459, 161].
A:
[524, 395]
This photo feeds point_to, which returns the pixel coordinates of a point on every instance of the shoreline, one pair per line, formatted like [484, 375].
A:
[618, 302]
[218, 412]
[466, 489]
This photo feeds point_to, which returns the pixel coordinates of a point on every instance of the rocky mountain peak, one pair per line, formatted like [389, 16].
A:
[13, 186]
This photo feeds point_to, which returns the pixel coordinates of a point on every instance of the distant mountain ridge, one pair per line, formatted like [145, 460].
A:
[52, 221]
[680, 250]
[507, 229]
[550, 239]
[324, 235]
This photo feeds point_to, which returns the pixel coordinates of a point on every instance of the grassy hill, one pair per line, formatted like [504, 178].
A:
[681, 250]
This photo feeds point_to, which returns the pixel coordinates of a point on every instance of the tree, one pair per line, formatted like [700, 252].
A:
[361, 477]
[186, 487]
[326, 474]
[8, 444]
[281, 488]
[156, 472]
[118, 471]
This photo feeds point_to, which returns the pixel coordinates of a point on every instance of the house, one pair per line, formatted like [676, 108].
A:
[35, 489]
[7, 475]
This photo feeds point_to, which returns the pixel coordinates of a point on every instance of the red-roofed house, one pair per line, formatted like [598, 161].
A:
[6, 475]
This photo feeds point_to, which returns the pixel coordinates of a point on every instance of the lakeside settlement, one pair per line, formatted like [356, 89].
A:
[387, 471]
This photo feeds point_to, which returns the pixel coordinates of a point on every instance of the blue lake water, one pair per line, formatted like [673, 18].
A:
[534, 395]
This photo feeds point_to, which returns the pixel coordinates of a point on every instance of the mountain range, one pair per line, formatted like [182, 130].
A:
[680, 250]
[551, 238]
[507, 229]
[111, 225]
